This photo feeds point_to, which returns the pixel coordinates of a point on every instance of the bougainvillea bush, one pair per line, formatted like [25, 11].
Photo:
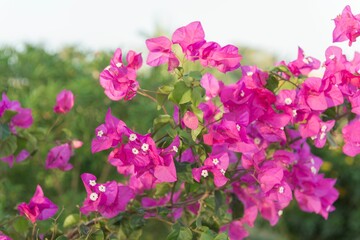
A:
[218, 155]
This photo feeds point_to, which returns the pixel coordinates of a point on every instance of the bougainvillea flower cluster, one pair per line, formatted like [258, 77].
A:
[39, 207]
[64, 102]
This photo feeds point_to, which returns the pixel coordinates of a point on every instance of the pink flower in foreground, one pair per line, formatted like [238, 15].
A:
[109, 198]
[4, 237]
[64, 102]
[351, 138]
[59, 156]
[347, 26]
[303, 65]
[161, 53]
[39, 207]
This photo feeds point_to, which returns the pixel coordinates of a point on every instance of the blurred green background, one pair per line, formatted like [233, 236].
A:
[34, 76]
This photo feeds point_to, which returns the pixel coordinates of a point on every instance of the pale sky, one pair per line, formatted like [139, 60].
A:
[277, 26]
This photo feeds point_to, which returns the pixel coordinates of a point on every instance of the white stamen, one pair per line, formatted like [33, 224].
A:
[323, 128]
[100, 133]
[306, 60]
[249, 74]
[222, 171]
[94, 196]
[135, 151]
[281, 189]
[313, 169]
[175, 148]
[242, 93]
[207, 98]
[313, 137]
[132, 137]
[332, 56]
[322, 135]
[108, 67]
[312, 161]
[204, 173]
[294, 113]
[282, 128]
[280, 212]
[238, 127]
[215, 161]
[145, 147]
[257, 140]
[288, 101]
[102, 188]
[118, 64]
[92, 182]
[328, 208]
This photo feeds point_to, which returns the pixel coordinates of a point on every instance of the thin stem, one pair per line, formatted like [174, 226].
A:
[154, 100]
[33, 231]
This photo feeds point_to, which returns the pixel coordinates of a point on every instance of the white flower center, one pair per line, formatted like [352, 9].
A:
[207, 98]
[222, 171]
[100, 133]
[313, 137]
[257, 140]
[242, 93]
[313, 169]
[102, 188]
[145, 147]
[132, 137]
[118, 64]
[204, 173]
[94, 196]
[215, 161]
[92, 182]
[281, 189]
[323, 128]
[238, 127]
[294, 113]
[280, 212]
[288, 101]
[328, 208]
[175, 148]
[332, 56]
[249, 74]
[135, 151]
[322, 135]
[312, 161]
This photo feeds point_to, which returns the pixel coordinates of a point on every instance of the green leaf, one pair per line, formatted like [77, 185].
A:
[166, 89]
[221, 236]
[161, 99]
[195, 75]
[7, 116]
[98, 235]
[195, 133]
[135, 235]
[4, 131]
[71, 220]
[84, 230]
[181, 93]
[161, 189]
[183, 171]
[237, 208]
[282, 68]
[207, 234]
[179, 233]
[8, 146]
[162, 120]
[272, 83]
[219, 201]
[197, 95]
[21, 225]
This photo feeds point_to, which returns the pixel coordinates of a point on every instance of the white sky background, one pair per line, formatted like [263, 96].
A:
[276, 26]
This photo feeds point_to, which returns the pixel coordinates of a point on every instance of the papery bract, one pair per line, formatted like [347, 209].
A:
[39, 207]
[64, 102]
[59, 156]
[347, 26]
[161, 53]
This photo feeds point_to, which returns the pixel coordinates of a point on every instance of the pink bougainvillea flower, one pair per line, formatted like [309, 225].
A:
[303, 65]
[58, 157]
[347, 26]
[351, 138]
[119, 80]
[211, 85]
[320, 94]
[190, 38]
[39, 207]
[64, 102]
[109, 198]
[23, 154]
[4, 237]
[161, 53]
[107, 134]
[22, 119]
[190, 120]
